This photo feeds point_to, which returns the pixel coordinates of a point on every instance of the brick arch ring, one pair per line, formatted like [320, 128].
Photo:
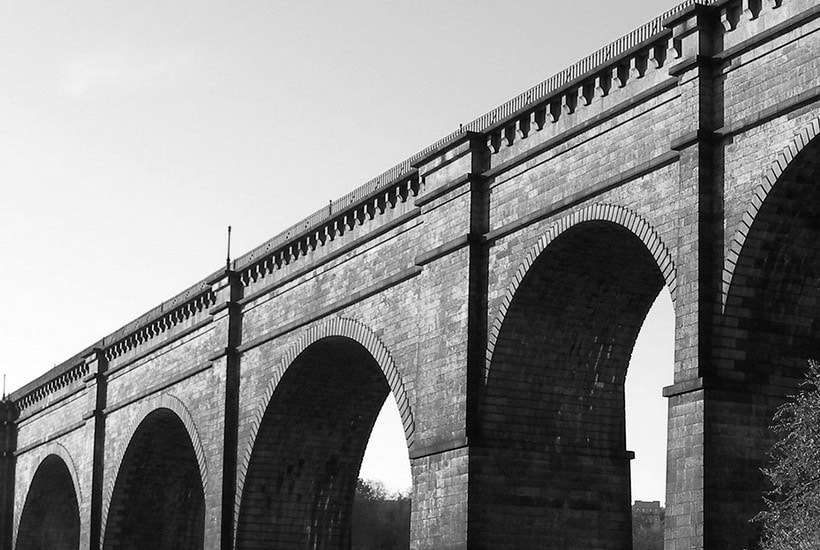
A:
[348, 328]
[161, 401]
[769, 179]
[58, 450]
[618, 215]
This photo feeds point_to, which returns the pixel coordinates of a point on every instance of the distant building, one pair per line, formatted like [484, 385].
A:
[649, 509]
[647, 525]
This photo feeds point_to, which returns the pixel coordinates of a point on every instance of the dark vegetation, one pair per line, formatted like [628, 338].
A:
[381, 520]
[791, 521]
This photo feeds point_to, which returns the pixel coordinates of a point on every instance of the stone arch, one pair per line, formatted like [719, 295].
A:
[771, 175]
[50, 516]
[550, 428]
[54, 448]
[597, 212]
[144, 409]
[766, 330]
[338, 333]
[340, 326]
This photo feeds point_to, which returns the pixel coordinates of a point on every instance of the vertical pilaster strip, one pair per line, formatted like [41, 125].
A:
[229, 291]
[448, 377]
[477, 297]
[478, 280]
[97, 387]
[699, 206]
[8, 444]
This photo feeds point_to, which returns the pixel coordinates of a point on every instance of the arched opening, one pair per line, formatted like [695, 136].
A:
[51, 515]
[158, 500]
[651, 368]
[769, 329]
[553, 468]
[303, 470]
[381, 507]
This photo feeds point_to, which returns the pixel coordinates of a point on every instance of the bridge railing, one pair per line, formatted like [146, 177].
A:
[393, 186]
[537, 94]
[401, 180]
[194, 301]
[57, 380]
[70, 375]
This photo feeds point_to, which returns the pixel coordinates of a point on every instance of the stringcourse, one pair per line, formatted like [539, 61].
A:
[493, 285]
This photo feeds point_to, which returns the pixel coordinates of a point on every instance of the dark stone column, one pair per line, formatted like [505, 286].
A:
[97, 386]
[8, 444]
[699, 248]
[228, 312]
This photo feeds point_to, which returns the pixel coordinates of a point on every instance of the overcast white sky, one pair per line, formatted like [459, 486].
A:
[133, 133]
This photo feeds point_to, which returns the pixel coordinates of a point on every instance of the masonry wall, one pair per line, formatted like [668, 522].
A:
[182, 377]
[666, 141]
[60, 430]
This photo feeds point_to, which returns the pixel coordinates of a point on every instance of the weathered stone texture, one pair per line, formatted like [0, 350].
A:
[494, 285]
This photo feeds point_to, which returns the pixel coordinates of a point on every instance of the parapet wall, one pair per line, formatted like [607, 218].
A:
[579, 84]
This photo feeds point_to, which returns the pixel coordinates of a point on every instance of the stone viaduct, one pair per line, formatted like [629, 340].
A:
[494, 284]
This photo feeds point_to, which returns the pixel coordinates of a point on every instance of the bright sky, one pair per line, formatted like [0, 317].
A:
[133, 133]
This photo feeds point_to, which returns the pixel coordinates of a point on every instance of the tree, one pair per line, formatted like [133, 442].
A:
[792, 520]
[381, 521]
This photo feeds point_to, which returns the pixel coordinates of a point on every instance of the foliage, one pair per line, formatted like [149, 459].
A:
[381, 520]
[791, 521]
